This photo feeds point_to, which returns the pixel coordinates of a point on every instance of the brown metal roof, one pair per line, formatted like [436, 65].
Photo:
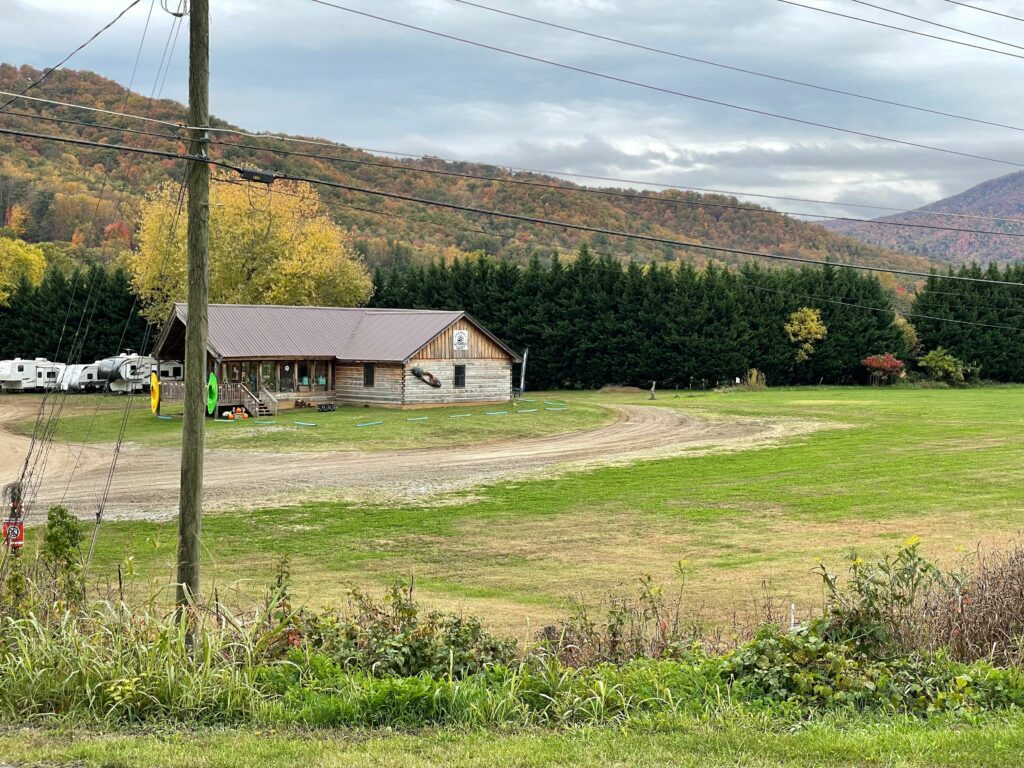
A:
[270, 331]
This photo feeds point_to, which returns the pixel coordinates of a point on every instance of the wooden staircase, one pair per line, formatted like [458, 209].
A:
[257, 405]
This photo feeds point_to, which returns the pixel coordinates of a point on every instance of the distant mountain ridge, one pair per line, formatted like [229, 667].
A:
[72, 193]
[1002, 197]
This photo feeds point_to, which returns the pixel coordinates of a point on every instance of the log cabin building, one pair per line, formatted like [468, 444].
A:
[267, 356]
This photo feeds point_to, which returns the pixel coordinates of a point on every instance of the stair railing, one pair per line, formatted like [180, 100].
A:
[249, 400]
[269, 400]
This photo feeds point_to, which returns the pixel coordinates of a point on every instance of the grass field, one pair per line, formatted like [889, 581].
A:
[337, 431]
[886, 743]
[941, 464]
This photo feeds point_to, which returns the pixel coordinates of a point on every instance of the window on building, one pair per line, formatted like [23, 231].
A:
[460, 376]
[368, 374]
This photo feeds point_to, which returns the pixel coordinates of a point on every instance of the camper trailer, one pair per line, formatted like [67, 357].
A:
[125, 373]
[37, 375]
[17, 375]
[48, 375]
[170, 370]
[81, 378]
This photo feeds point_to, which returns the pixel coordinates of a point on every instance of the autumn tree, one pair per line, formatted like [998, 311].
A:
[19, 262]
[268, 245]
[804, 329]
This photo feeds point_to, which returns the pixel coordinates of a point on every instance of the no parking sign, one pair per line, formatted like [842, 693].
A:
[14, 534]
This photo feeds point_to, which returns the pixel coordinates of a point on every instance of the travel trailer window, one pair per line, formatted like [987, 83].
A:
[176, 372]
[21, 369]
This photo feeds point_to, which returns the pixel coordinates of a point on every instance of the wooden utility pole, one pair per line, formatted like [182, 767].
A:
[198, 185]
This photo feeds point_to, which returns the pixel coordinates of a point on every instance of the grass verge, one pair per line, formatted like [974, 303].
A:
[889, 742]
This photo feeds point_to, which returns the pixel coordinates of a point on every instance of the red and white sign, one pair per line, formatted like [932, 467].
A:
[14, 534]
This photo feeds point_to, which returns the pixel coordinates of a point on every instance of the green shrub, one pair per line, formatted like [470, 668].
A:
[879, 608]
[390, 638]
[941, 365]
[805, 672]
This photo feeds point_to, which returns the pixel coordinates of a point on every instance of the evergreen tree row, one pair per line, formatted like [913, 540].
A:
[81, 316]
[998, 351]
[590, 322]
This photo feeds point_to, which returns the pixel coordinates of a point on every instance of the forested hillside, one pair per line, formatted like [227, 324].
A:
[990, 202]
[91, 196]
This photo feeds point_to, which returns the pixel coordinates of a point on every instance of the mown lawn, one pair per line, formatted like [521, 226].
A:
[350, 428]
[942, 464]
[885, 743]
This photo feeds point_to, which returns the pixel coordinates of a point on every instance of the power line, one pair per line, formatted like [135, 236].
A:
[499, 214]
[89, 307]
[129, 115]
[616, 233]
[985, 10]
[900, 29]
[733, 68]
[518, 169]
[917, 315]
[543, 185]
[47, 72]
[610, 193]
[936, 24]
[86, 124]
[670, 91]
[558, 247]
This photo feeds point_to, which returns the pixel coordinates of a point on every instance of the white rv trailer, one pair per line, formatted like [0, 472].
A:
[48, 375]
[19, 375]
[13, 374]
[127, 372]
[80, 378]
[171, 370]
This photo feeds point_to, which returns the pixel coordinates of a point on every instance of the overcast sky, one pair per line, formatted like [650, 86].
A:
[292, 65]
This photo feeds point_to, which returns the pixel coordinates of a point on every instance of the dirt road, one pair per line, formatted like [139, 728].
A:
[146, 482]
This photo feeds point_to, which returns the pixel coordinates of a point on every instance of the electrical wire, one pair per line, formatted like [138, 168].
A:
[45, 438]
[554, 246]
[733, 68]
[985, 10]
[669, 91]
[612, 193]
[902, 29]
[636, 196]
[520, 169]
[499, 214]
[936, 24]
[47, 72]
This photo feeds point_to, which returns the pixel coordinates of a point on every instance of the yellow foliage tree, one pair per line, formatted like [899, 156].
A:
[17, 218]
[272, 245]
[19, 260]
[804, 328]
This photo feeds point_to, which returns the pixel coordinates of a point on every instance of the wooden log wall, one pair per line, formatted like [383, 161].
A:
[386, 390]
[487, 381]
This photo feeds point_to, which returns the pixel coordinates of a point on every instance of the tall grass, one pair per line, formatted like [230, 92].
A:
[115, 666]
[383, 664]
